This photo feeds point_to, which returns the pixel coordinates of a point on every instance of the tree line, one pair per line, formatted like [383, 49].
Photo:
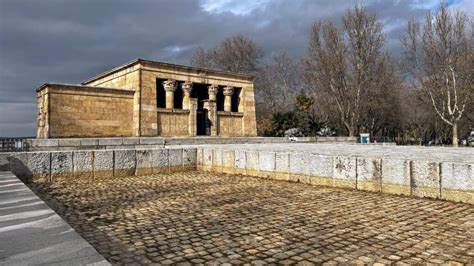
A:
[347, 83]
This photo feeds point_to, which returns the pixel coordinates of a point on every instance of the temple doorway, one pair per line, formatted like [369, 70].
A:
[202, 123]
[200, 93]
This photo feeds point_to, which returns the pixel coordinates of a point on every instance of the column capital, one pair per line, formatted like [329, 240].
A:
[169, 85]
[187, 86]
[213, 88]
[228, 91]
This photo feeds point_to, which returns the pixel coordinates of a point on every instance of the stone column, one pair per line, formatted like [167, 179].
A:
[212, 89]
[187, 87]
[42, 125]
[192, 117]
[212, 113]
[228, 91]
[212, 108]
[170, 87]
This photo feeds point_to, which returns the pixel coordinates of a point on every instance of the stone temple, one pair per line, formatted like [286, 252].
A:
[149, 98]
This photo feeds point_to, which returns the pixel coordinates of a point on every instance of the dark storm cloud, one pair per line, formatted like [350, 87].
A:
[70, 41]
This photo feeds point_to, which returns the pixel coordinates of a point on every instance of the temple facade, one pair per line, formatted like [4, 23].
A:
[149, 98]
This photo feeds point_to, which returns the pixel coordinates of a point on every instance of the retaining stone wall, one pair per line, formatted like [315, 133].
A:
[47, 166]
[160, 142]
[444, 180]
[340, 139]
[421, 178]
[138, 142]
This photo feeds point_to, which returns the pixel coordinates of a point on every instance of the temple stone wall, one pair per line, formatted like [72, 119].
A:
[150, 114]
[248, 108]
[80, 111]
[127, 78]
[42, 123]
[104, 115]
[173, 122]
[148, 111]
[230, 124]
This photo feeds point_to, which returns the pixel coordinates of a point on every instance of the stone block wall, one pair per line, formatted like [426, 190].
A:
[42, 119]
[248, 102]
[457, 181]
[4, 161]
[148, 115]
[229, 124]
[151, 71]
[432, 179]
[93, 108]
[369, 175]
[48, 166]
[173, 122]
[396, 177]
[339, 139]
[80, 111]
[140, 142]
[127, 78]
[442, 180]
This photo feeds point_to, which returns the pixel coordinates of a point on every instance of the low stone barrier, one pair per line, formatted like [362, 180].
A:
[416, 177]
[160, 142]
[95, 143]
[341, 139]
[443, 180]
[47, 166]
[139, 142]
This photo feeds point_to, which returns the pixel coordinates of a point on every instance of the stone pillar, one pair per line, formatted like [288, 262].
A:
[170, 87]
[212, 108]
[228, 91]
[187, 87]
[192, 117]
[42, 129]
[212, 89]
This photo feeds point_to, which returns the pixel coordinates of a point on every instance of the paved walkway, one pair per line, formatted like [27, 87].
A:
[197, 217]
[31, 233]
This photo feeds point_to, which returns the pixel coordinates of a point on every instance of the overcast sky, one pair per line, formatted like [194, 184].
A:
[70, 41]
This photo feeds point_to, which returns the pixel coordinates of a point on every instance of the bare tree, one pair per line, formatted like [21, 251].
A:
[236, 54]
[201, 58]
[380, 109]
[347, 63]
[440, 60]
[279, 81]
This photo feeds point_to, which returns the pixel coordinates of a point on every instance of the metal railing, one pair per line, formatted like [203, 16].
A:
[13, 144]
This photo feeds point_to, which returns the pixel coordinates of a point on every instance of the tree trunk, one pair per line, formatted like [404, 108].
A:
[455, 134]
[351, 131]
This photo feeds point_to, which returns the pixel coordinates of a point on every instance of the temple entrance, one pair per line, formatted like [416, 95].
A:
[202, 123]
[200, 93]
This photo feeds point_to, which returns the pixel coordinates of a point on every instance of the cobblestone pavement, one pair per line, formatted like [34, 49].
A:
[198, 217]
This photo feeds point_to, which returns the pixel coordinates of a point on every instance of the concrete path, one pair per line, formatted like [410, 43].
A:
[31, 233]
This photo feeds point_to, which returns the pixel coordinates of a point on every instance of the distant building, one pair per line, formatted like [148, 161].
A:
[148, 98]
